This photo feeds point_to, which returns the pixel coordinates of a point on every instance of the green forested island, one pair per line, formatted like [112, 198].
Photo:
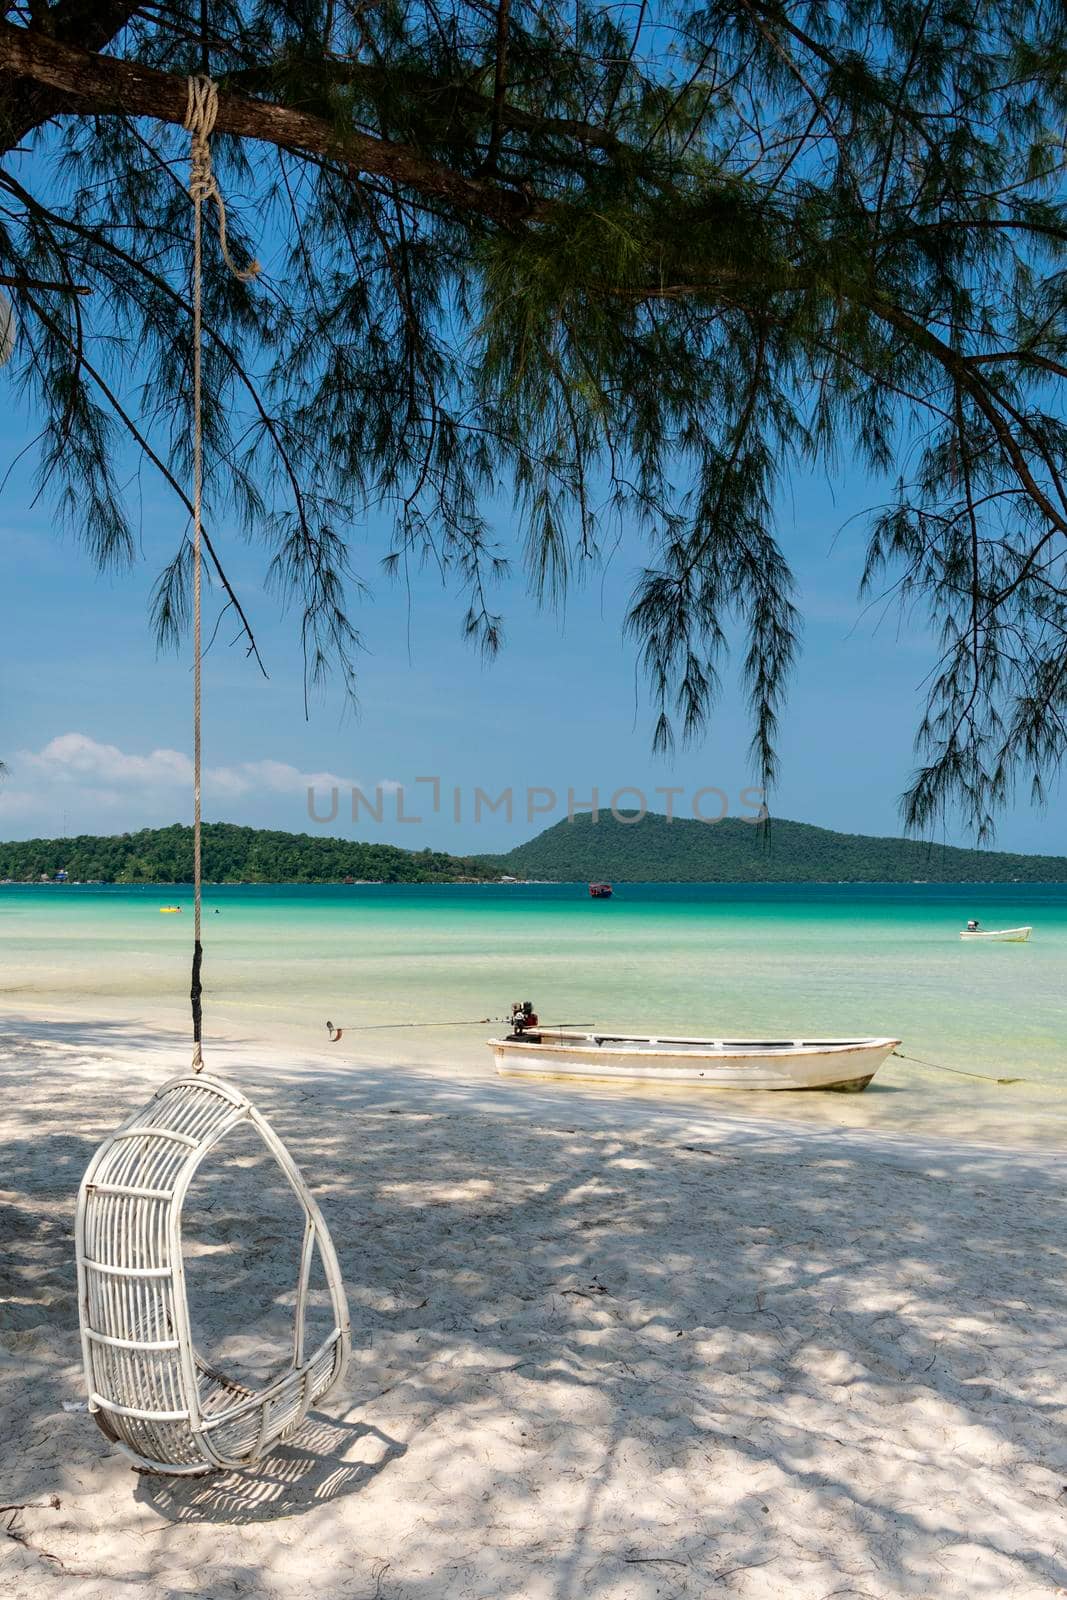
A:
[655, 850]
[231, 854]
[649, 850]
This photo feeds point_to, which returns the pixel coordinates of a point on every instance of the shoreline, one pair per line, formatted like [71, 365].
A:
[161, 1036]
[906, 1106]
[541, 883]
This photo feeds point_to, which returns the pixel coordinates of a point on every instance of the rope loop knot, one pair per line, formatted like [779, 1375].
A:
[201, 111]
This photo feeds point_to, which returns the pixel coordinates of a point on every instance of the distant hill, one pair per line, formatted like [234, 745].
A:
[655, 850]
[647, 851]
[231, 854]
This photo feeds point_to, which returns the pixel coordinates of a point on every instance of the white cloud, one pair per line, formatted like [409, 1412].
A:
[90, 778]
[74, 757]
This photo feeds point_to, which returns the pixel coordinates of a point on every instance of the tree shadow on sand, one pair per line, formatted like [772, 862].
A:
[592, 1359]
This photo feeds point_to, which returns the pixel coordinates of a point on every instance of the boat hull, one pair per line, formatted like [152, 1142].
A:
[843, 1065]
[1002, 935]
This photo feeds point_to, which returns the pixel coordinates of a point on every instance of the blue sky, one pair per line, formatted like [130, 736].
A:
[96, 725]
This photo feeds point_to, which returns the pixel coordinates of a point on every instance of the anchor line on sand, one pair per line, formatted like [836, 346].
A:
[335, 1032]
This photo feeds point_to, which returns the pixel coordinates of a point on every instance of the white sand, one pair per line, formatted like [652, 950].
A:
[601, 1351]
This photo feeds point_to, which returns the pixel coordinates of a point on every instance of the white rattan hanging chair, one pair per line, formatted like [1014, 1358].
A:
[149, 1389]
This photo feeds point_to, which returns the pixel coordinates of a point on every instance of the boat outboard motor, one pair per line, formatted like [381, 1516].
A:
[523, 1018]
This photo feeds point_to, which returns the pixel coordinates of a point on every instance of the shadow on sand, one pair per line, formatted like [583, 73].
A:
[660, 1352]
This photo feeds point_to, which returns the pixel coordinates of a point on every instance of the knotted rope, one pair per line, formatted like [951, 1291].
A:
[201, 111]
[200, 114]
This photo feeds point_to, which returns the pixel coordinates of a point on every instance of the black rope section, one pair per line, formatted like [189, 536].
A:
[195, 993]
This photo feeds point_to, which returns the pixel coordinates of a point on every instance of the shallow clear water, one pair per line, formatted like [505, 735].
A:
[764, 960]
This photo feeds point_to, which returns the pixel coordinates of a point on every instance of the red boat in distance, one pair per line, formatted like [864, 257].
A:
[600, 891]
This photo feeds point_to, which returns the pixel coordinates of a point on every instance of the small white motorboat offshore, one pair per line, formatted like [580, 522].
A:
[1005, 935]
[841, 1064]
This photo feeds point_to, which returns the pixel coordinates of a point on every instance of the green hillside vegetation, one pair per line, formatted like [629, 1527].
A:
[655, 850]
[650, 850]
[231, 854]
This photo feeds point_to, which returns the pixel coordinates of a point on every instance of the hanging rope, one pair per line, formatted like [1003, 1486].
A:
[200, 116]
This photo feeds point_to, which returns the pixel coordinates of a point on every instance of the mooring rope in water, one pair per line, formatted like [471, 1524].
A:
[983, 1077]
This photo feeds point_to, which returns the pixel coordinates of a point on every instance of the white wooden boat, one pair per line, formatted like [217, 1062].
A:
[1005, 935]
[844, 1064]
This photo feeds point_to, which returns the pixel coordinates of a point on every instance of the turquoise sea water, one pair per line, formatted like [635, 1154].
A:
[766, 959]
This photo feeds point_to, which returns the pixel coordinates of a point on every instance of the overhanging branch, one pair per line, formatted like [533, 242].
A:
[106, 84]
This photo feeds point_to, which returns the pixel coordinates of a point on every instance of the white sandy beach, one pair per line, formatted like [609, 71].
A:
[603, 1350]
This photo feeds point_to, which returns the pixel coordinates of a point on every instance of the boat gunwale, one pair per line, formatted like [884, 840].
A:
[587, 1043]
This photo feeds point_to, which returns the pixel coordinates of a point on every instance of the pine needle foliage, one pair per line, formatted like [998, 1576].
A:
[629, 265]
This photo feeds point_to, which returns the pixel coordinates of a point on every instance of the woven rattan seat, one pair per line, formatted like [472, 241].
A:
[148, 1388]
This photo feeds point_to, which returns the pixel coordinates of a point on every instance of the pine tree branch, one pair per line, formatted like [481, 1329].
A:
[500, 83]
[7, 281]
[90, 24]
[101, 85]
[372, 78]
[78, 355]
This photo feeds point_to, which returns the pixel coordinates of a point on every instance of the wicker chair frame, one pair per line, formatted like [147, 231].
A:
[149, 1390]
